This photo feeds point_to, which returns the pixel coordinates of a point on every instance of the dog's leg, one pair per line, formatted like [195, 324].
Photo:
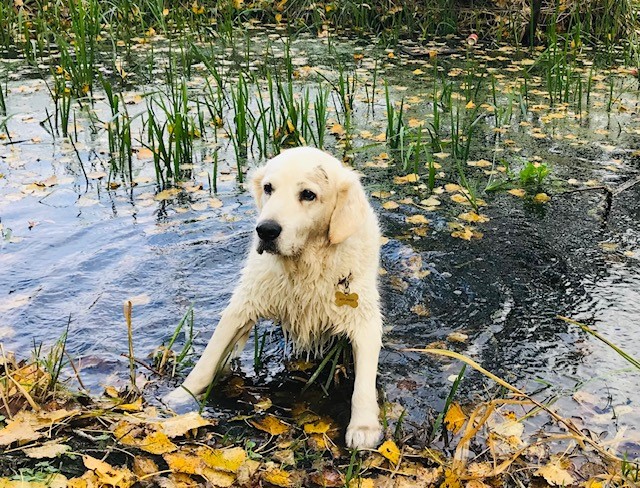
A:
[364, 430]
[233, 327]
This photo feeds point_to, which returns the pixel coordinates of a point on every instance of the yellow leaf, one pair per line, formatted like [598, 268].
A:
[460, 198]
[18, 430]
[336, 130]
[107, 474]
[227, 460]
[464, 233]
[452, 187]
[47, 450]
[410, 178]
[417, 219]
[181, 424]
[430, 202]
[455, 418]
[271, 425]
[278, 477]
[517, 192]
[390, 450]
[594, 483]
[390, 205]
[470, 105]
[167, 194]
[473, 217]
[541, 198]
[215, 203]
[555, 473]
[451, 479]
[134, 406]
[381, 194]
[145, 437]
[319, 427]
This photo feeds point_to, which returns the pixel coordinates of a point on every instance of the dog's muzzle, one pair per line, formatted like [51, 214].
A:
[268, 231]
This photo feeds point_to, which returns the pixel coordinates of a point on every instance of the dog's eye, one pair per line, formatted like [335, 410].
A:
[307, 196]
[268, 189]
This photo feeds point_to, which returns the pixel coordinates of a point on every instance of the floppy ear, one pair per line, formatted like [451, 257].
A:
[255, 185]
[350, 211]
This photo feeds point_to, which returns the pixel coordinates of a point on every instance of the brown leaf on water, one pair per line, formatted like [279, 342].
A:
[270, 425]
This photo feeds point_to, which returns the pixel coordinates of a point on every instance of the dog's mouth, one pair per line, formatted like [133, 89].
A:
[268, 246]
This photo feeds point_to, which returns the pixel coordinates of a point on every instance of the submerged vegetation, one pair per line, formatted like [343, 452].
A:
[159, 103]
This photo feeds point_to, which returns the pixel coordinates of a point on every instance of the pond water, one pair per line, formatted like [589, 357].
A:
[79, 240]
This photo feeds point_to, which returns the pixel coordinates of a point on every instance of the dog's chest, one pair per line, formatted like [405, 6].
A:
[309, 308]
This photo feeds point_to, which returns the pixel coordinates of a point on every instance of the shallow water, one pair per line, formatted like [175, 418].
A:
[75, 250]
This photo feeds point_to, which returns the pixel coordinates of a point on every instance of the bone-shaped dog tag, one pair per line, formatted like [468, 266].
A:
[350, 299]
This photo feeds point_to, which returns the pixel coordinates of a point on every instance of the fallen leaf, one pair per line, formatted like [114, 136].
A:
[47, 450]
[390, 205]
[107, 474]
[278, 477]
[181, 424]
[517, 192]
[541, 198]
[417, 219]
[555, 473]
[167, 194]
[319, 427]
[455, 418]
[473, 217]
[430, 202]
[271, 425]
[390, 451]
[143, 436]
[227, 460]
[410, 178]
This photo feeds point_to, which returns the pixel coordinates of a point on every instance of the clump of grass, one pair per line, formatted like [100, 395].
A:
[118, 128]
[166, 361]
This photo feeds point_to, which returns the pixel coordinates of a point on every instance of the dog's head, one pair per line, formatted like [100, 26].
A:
[305, 195]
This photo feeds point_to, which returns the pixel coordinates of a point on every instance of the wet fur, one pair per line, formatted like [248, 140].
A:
[324, 242]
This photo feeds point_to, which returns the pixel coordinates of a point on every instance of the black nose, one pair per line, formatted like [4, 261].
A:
[268, 230]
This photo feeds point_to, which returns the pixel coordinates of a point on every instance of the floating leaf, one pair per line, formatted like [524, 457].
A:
[167, 194]
[473, 217]
[390, 450]
[410, 178]
[455, 418]
[417, 219]
[517, 192]
[271, 425]
[390, 205]
[430, 202]
[541, 198]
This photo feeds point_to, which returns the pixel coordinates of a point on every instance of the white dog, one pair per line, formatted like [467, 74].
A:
[313, 268]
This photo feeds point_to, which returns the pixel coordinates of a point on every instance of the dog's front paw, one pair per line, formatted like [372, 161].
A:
[180, 401]
[363, 435]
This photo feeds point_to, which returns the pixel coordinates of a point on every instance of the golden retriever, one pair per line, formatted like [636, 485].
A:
[313, 268]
